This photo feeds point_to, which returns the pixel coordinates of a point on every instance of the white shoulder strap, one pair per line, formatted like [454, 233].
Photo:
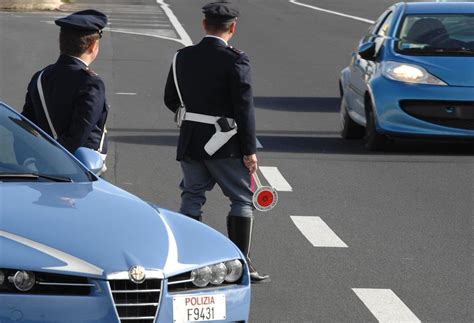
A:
[43, 103]
[176, 79]
[101, 145]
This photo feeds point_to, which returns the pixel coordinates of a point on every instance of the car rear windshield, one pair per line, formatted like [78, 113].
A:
[441, 34]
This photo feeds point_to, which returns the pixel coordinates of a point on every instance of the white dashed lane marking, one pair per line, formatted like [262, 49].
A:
[275, 179]
[385, 305]
[318, 233]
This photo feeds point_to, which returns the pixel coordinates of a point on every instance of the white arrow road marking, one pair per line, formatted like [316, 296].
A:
[318, 233]
[385, 305]
[332, 12]
[275, 178]
[185, 39]
[73, 264]
[143, 20]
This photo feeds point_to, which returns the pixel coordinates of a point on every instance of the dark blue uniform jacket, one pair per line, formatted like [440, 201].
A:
[214, 79]
[75, 97]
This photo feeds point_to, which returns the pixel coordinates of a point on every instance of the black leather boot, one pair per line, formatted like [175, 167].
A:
[195, 217]
[239, 229]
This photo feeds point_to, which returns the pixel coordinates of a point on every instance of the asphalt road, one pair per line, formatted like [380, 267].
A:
[404, 217]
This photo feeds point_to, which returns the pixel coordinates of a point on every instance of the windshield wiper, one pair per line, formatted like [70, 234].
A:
[430, 50]
[35, 176]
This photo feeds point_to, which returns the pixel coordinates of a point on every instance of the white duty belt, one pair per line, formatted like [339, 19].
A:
[220, 138]
[204, 118]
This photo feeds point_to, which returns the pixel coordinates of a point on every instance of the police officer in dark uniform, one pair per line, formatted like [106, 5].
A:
[213, 81]
[71, 93]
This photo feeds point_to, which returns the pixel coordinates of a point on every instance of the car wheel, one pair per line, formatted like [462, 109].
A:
[373, 140]
[349, 129]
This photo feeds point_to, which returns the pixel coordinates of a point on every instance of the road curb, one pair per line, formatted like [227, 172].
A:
[30, 4]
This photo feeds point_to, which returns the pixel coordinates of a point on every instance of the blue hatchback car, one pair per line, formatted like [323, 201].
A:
[74, 248]
[412, 75]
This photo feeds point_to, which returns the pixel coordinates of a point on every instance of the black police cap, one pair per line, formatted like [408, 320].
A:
[86, 20]
[222, 11]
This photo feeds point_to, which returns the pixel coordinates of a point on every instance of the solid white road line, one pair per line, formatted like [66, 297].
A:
[385, 305]
[275, 179]
[185, 39]
[317, 232]
[148, 33]
[331, 12]
[137, 25]
[125, 93]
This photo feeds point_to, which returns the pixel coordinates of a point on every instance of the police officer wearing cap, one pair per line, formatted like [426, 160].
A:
[67, 99]
[213, 83]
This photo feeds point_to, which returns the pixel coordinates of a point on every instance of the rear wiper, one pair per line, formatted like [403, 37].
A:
[54, 178]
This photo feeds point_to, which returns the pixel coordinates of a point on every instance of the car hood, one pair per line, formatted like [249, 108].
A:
[455, 71]
[97, 229]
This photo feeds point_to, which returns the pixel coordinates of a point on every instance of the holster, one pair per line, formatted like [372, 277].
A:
[218, 140]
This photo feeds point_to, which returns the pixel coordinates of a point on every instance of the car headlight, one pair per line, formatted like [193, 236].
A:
[219, 272]
[201, 276]
[409, 73]
[23, 280]
[17, 280]
[234, 270]
[229, 271]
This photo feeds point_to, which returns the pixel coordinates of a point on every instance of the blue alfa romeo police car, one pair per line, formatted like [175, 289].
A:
[74, 248]
[412, 75]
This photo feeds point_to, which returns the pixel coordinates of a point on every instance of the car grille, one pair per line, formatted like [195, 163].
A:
[454, 114]
[136, 302]
[181, 283]
[63, 285]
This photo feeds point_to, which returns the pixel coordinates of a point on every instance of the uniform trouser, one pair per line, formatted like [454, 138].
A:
[200, 176]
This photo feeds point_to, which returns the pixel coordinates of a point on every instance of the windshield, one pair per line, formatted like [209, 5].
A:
[23, 150]
[444, 35]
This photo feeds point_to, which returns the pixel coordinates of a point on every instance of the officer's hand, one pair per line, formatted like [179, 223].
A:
[250, 161]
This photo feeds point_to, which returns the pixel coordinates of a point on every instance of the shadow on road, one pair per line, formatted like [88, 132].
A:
[151, 140]
[309, 142]
[336, 145]
[298, 104]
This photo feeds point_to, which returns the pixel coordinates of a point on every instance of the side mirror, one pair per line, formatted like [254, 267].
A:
[367, 51]
[89, 158]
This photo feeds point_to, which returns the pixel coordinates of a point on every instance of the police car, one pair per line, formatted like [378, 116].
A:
[74, 248]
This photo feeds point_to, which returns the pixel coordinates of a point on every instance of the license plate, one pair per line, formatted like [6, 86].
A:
[195, 308]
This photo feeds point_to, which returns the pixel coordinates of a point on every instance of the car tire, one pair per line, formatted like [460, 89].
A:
[348, 128]
[373, 140]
